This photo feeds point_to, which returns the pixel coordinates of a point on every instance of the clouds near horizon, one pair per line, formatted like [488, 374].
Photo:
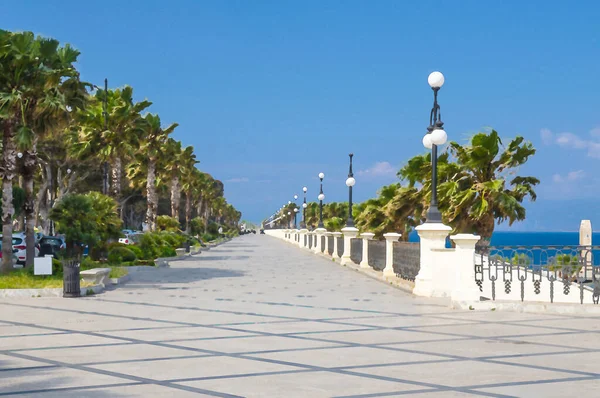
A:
[379, 169]
[573, 141]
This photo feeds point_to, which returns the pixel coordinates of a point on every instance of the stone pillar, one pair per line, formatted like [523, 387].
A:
[433, 236]
[366, 237]
[586, 254]
[326, 249]
[585, 233]
[465, 288]
[349, 234]
[390, 238]
[319, 232]
[336, 235]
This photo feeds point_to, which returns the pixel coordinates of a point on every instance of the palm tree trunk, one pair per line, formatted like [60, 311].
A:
[188, 212]
[175, 197]
[29, 164]
[152, 198]
[485, 228]
[40, 207]
[9, 165]
[21, 219]
[199, 205]
[117, 172]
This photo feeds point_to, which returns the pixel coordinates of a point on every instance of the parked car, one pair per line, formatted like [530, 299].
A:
[131, 239]
[51, 245]
[14, 254]
[18, 243]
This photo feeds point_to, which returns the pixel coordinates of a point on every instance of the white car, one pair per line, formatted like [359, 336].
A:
[130, 239]
[19, 248]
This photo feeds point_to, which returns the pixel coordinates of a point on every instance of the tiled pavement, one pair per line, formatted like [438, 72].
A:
[257, 317]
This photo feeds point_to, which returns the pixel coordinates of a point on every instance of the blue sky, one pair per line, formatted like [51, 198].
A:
[271, 93]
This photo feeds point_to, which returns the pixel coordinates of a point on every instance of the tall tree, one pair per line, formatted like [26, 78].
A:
[153, 139]
[478, 185]
[38, 85]
[190, 184]
[119, 140]
[176, 162]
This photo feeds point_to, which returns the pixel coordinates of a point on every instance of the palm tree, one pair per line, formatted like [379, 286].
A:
[484, 190]
[476, 187]
[371, 215]
[190, 184]
[119, 140]
[175, 163]
[153, 139]
[39, 83]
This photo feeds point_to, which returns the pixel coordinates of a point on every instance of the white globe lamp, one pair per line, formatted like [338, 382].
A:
[438, 137]
[427, 141]
[436, 79]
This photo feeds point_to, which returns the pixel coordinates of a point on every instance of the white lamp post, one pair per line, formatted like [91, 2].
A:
[321, 198]
[435, 136]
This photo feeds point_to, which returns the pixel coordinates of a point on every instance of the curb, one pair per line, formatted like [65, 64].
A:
[27, 293]
[121, 280]
[528, 307]
[46, 292]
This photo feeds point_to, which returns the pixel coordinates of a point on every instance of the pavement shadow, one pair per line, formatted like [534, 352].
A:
[234, 251]
[221, 258]
[14, 381]
[178, 275]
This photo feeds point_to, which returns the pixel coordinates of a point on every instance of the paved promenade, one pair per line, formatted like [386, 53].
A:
[256, 317]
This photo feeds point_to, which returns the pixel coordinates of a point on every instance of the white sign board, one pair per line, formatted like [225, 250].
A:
[42, 265]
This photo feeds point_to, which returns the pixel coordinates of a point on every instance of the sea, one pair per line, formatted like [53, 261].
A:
[508, 238]
[539, 247]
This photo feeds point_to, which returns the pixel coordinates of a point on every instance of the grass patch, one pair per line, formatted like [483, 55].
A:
[22, 279]
[118, 272]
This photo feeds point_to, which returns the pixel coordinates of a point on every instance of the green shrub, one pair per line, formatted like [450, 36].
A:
[85, 219]
[197, 226]
[57, 268]
[209, 237]
[166, 223]
[143, 262]
[120, 254]
[162, 244]
[137, 250]
[88, 263]
[169, 239]
[212, 228]
[150, 246]
[168, 252]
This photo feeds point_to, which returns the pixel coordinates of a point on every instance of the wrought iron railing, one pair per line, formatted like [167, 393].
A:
[356, 247]
[377, 254]
[340, 247]
[330, 244]
[563, 273]
[407, 260]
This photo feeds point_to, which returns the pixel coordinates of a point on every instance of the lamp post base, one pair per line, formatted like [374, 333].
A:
[434, 215]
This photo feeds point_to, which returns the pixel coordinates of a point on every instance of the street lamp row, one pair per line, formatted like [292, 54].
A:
[434, 137]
